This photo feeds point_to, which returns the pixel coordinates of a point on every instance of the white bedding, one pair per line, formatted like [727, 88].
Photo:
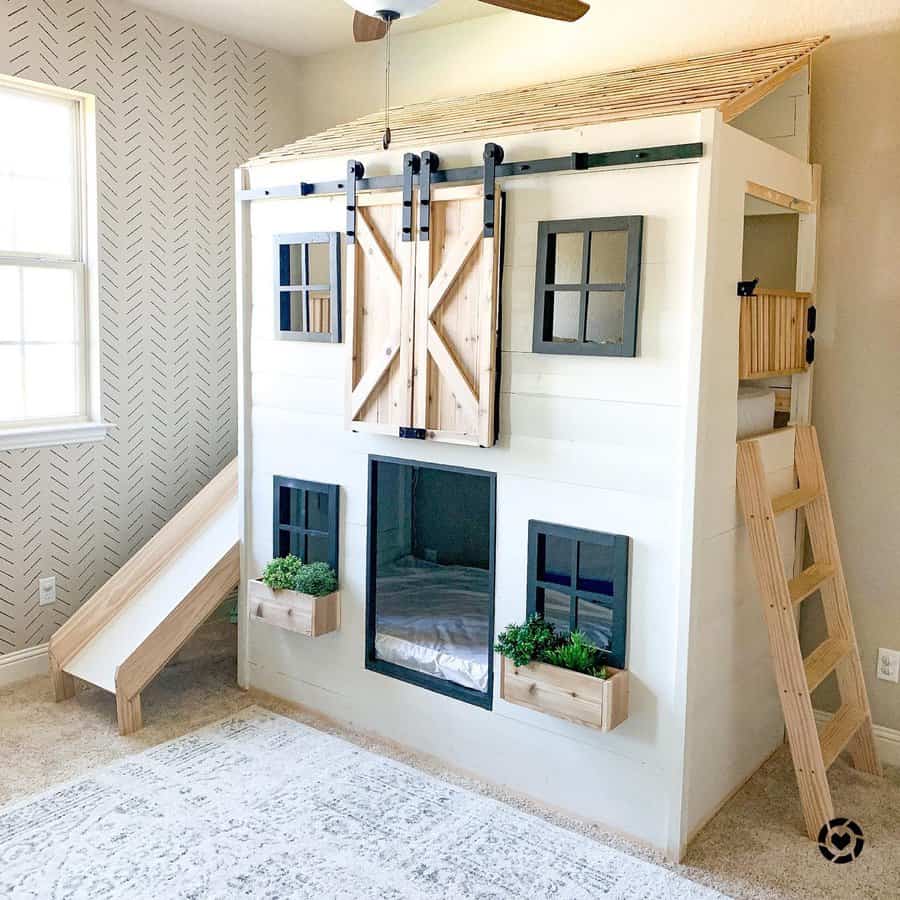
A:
[434, 619]
[755, 410]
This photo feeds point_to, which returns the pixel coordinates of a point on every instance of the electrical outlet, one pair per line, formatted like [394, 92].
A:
[889, 665]
[47, 591]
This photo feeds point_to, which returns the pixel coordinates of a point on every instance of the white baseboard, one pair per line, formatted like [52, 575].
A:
[23, 664]
[887, 740]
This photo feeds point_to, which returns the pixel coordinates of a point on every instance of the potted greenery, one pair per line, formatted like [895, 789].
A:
[297, 596]
[562, 675]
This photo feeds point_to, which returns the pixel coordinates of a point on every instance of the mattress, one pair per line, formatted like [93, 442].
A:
[434, 619]
[755, 411]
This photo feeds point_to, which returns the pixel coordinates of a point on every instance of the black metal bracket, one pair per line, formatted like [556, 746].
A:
[493, 156]
[810, 350]
[747, 288]
[429, 165]
[811, 319]
[411, 166]
[581, 161]
[355, 171]
[306, 188]
[417, 434]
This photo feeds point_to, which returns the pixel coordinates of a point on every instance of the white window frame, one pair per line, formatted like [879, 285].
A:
[88, 424]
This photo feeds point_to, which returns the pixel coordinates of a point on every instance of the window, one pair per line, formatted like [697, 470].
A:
[587, 286]
[305, 519]
[45, 324]
[308, 287]
[430, 577]
[579, 579]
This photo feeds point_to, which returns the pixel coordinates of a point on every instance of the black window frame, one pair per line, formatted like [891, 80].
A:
[617, 602]
[333, 240]
[484, 699]
[332, 491]
[546, 286]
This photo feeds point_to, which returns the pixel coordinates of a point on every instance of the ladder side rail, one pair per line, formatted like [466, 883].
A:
[784, 643]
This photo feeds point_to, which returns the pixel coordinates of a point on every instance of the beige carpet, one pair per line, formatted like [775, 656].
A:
[753, 849]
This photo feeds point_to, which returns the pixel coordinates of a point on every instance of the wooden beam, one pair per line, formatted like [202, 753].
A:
[450, 268]
[779, 198]
[63, 682]
[373, 375]
[750, 97]
[128, 712]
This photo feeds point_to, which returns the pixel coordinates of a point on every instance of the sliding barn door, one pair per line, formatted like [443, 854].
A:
[380, 278]
[456, 304]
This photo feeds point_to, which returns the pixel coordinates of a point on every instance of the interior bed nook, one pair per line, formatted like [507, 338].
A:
[535, 382]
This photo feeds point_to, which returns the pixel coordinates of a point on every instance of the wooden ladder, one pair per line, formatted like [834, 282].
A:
[798, 677]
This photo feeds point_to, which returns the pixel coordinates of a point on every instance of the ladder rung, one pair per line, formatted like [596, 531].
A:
[810, 580]
[823, 660]
[794, 499]
[837, 733]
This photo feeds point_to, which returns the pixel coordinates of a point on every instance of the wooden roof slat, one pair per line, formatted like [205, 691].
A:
[731, 81]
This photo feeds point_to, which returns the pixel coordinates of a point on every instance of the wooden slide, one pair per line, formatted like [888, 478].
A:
[123, 636]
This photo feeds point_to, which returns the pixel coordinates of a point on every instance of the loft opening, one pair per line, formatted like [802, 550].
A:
[430, 577]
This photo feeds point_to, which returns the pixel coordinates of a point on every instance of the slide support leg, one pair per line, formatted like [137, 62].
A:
[128, 711]
[63, 682]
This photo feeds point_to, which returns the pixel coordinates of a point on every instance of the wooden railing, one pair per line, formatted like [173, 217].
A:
[773, 334]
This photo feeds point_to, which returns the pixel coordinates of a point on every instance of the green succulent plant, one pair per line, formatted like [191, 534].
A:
[316, 578]
[280, 574]
[538, 641]
[525, 643]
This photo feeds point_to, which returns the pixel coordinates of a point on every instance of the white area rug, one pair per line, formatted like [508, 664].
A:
[261, 806]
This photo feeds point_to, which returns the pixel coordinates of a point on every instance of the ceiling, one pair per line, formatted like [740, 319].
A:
[300, 27]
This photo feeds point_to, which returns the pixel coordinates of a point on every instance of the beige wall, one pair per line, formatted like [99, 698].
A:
[856, 135]
[770, 250]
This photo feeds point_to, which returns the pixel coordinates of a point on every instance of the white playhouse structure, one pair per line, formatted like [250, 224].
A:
[495, 370]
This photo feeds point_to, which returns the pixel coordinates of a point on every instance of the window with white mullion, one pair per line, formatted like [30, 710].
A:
[43, 317]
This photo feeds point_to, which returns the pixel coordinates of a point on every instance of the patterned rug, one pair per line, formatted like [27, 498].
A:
[261, 806]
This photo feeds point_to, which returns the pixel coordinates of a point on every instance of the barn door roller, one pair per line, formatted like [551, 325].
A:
[411, 166]
[430, 163]
[493, 156]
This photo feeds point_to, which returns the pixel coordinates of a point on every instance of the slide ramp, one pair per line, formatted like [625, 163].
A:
[127, 632]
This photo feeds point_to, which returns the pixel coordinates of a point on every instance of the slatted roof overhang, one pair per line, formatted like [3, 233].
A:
[732, 82]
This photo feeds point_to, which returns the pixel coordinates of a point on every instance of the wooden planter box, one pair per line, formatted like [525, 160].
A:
[597, 703]
[293, 611]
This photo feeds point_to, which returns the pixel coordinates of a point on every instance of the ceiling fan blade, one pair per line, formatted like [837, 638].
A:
[368, 28]
[564, 10]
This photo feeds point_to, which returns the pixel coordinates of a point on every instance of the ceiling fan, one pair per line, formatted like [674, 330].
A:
[373, 17]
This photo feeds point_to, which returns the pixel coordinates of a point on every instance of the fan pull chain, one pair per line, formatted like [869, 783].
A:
[386, 140]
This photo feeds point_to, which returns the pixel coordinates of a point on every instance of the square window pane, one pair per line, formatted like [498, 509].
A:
[596, 622]
[319, 313]
[51, 382]
[11, 406]
[10, 304]
[287, 543]
[568, 258]
[319, 258]
[289, 506]
[43, 139]
[291, 311]
[596, 567]
[606, 317]
[291, 264]
[565, 306]
[556, 609]
[43, 215]
[49, 296]
[554, 559]
[317, 511]
[609, 257]
[316, 549]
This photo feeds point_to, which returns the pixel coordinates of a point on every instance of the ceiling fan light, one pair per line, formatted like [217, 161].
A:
[402, 7]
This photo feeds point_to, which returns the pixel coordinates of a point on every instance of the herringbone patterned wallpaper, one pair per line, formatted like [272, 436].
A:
[177, 109]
